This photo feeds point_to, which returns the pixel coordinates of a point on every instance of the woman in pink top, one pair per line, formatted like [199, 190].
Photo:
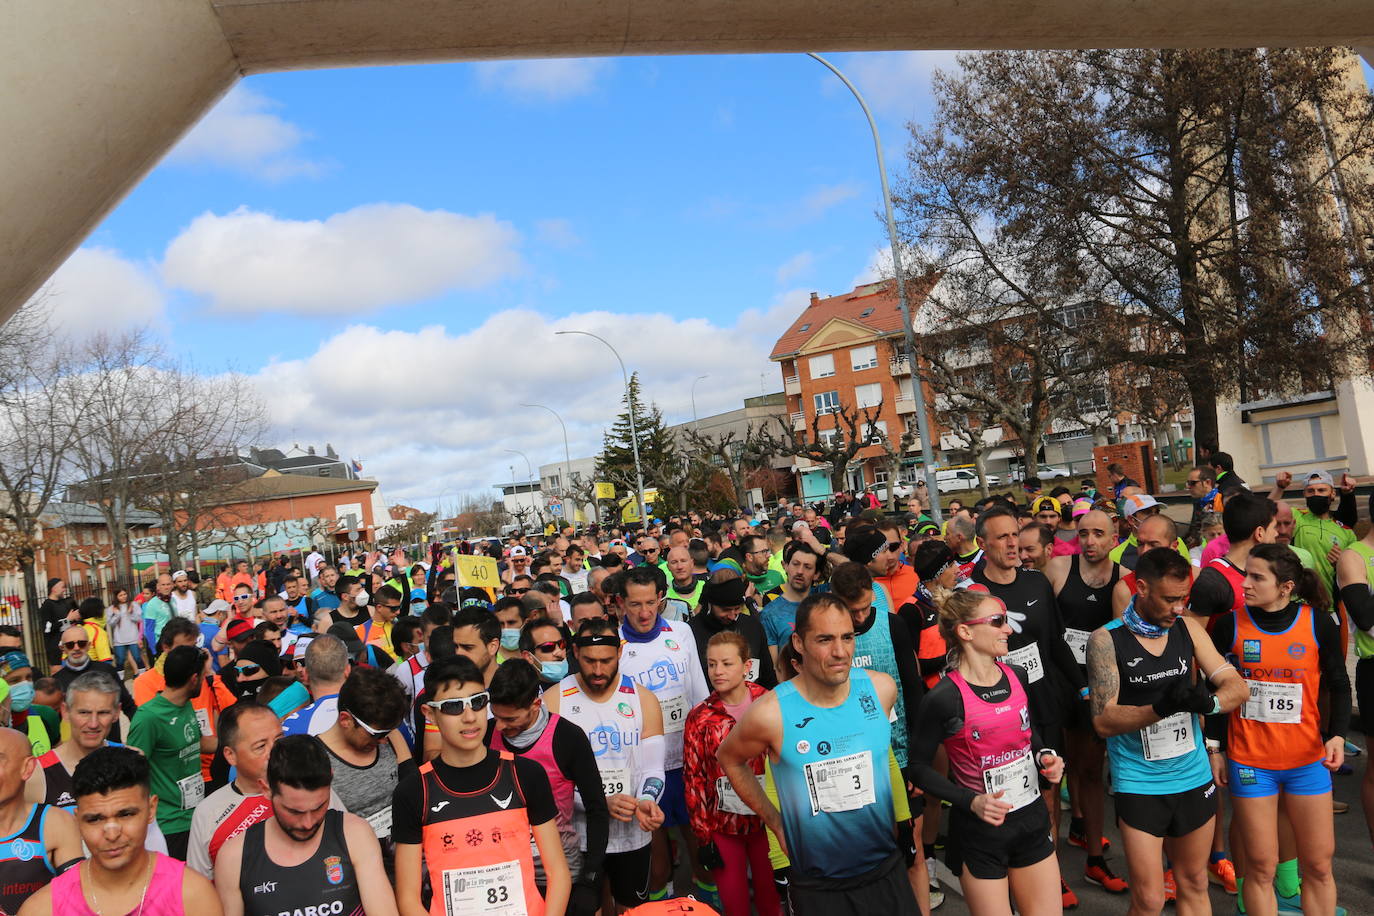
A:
[121, 878]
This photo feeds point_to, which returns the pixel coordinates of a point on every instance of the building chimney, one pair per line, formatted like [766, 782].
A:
[815, 297]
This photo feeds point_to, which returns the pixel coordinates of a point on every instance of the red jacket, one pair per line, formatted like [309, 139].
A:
[706, 727]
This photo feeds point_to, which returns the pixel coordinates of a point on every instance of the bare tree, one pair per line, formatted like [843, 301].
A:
[894, 453]
[967, 428]
[845, 440]
[735, 454]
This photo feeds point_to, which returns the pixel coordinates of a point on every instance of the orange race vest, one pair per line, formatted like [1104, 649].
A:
[477, 846]
[1279, 727]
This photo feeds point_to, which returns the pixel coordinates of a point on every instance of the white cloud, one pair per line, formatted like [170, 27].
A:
[241, 133]
[895, 83]
[557, 232]
[461, 391]
[361, 259]
[815, 204]
[98, 290]
[542, 80]
[799, 265]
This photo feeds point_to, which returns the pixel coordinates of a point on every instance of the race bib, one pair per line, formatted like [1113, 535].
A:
[674, 714]
[616, 782]
[753, 673]
[1078, 643]
[842, 784]
[1028, 658]
[1169, 737]
[1016, 780]
[1280, 704]
[496, 890]
[192, 789]
[380, 822]
[203, 717]
[728, 800]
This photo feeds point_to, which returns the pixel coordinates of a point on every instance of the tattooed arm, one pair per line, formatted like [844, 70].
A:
[1109, 718]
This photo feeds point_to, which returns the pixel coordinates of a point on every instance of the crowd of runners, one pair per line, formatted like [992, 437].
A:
[796, 710]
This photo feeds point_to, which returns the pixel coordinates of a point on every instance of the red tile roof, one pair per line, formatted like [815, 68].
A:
[884, 319]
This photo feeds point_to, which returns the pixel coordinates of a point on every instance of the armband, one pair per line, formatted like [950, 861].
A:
[1216, 705]
[652, 789]
[1213, 745]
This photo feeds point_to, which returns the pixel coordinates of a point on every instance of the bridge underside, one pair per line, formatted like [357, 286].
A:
[95, 93]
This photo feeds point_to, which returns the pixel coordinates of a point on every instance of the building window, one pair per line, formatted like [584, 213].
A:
[827, 436]
[865, 313]
[868, 395]
[863, 358]
[822, 366]
[805, 327]
[880, 476]
[826, 402]
[875, 432]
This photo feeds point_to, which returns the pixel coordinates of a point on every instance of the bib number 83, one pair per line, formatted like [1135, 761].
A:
[497, 894]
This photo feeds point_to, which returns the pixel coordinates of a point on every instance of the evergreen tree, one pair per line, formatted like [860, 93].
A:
[658, 451]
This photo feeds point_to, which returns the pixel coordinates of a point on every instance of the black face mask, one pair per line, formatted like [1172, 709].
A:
[1319, 505]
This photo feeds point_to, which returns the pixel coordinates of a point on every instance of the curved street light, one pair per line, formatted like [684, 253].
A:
[567, 454]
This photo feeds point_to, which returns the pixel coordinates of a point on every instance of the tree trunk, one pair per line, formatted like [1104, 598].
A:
[980, 465]
[1202, 388]
[171, 542]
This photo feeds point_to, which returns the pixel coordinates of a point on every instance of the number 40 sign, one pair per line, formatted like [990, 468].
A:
[479, 572]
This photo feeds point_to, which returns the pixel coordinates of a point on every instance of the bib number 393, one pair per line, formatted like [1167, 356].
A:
[497, 890]
[1028, 657]
[1016, 780]
[842, 784]
[1170, 737]
[1277, 703]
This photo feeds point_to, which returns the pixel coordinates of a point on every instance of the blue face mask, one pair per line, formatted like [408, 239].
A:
[418, 607]
[21, 696]
[510, 639]
[552, 671]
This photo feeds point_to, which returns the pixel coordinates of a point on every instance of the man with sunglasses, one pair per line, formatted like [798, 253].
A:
[625, 725]
[366, 752]
[544, 645]
[75, 642]
[524, 726]
[470, 813]
[386, 605]
[756, 555]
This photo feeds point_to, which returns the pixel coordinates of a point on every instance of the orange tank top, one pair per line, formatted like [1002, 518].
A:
[477, 846]
[1279, 726]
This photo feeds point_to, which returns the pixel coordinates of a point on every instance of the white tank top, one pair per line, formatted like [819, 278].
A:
[668, 668]
[613, 726]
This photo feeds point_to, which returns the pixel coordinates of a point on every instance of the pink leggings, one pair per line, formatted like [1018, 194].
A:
[742, 855]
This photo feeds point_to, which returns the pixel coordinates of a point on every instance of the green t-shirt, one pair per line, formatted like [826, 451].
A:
[169, 736]
[770, 579]
[1316, 536]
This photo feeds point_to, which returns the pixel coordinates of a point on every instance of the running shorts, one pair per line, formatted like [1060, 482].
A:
[884, 890]
[628, 873]
[1258, 782]
[988, 852]
[674, 800]
[1174, 815]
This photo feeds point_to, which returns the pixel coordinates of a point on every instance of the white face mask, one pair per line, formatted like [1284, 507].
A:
[361, 599]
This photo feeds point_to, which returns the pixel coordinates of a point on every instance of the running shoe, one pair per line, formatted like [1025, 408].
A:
[937, 893]
[1070, 898]
[1292, 906]
[1170, 888]
[1103, 877]
[1353, 750]
[1339, 807]
[1079, 840]
[1222, 872]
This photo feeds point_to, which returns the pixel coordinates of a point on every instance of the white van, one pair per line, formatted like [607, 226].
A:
[954, 479]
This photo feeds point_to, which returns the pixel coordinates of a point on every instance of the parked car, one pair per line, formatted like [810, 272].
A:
[1044, 472]
[952, 479]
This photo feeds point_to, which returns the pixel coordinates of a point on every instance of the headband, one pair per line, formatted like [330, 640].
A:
[610, 640]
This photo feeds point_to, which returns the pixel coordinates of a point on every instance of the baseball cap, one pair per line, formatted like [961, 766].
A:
[1320, 476]
[1137, 501]
[1082, 507]
[13, 661]
[1044, 504]
[239, 629]
[179, 574]
[517, 551]
[218, 606]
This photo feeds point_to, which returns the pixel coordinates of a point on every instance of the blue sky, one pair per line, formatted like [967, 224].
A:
[387, 251]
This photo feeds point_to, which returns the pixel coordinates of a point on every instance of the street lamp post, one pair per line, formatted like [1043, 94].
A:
[917, 394]
[529, 469]
[634, 431]
[695, 421]
[567, 453]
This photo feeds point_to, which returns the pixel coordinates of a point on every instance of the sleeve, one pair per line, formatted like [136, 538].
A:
[909, 676]
[534, 784]
[1335, 679]
[1060, 653]
[1211, 593]
[700, 794]
[697, 688]
[1359, 604]
[126, 702]
[1346, 512]
[141, 736]
[407, 810]
[571, 744]
[938, 712]
[198, 847]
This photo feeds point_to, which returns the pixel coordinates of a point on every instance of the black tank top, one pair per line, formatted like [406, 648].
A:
[24, 864]
[324, 884]
[1084, 608]
[1143, 677]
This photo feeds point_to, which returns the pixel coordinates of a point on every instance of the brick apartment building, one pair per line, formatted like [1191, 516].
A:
[848, 350]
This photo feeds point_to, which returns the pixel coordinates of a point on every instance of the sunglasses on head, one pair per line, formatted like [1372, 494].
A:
[996, 620]
[374, 732]
[551, 646]
[459, 705]
[76, 644]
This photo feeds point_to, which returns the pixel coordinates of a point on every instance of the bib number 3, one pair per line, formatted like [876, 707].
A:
[842, 784]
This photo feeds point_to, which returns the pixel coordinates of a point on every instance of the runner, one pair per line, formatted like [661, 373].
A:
[801, 565]
[1288, 653]
[37, 841]
[1037, 644]
[307, 857]
[625, 724]
[470, 813]
[867, 545]
[722, 611]
[682, 582]
[525, 727]
[981, 713]
[1083, 585]
[113, 810]
[1035, 545]
[961, 536]
[1355, 576]
[324, 669]
[827, 734]
[732, 839]
[934, 562]
[166, 730]
[662, 656]
[1146, 701]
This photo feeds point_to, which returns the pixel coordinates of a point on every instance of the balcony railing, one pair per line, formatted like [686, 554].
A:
[799, 421]
[791, 384]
